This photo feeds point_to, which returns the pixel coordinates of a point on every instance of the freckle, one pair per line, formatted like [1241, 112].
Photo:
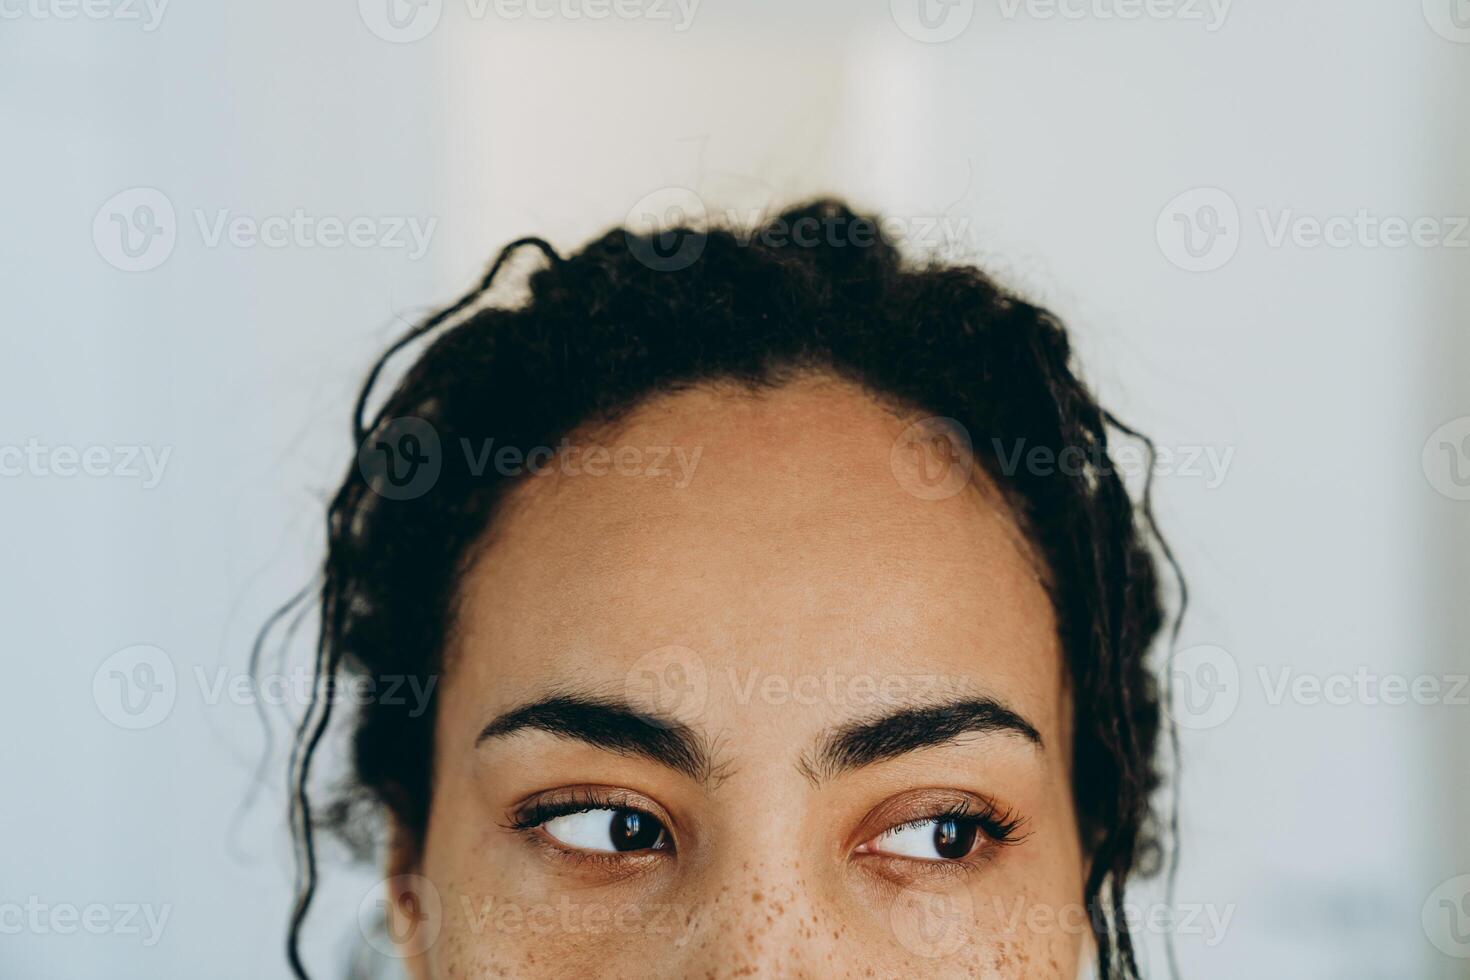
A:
[755, 896]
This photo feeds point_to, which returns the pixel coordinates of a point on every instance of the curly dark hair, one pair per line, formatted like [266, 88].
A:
[632, 316]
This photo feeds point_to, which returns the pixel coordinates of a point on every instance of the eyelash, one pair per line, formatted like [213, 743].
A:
[999, 826]
[578, 801]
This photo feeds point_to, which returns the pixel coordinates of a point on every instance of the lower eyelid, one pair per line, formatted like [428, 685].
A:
[903, 872]
[615, 864]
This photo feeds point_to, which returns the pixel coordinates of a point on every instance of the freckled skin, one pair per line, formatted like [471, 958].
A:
[795, 550]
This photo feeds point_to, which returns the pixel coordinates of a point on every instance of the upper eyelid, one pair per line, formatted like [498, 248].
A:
[550, 804]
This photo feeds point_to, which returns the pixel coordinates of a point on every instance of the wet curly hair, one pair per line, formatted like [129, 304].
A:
[631, 316]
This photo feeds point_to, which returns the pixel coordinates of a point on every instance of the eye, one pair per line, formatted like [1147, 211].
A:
[937, 839]
[608, 829]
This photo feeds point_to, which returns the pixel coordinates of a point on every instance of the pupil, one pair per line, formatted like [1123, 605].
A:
[953, 839]
[631, 832]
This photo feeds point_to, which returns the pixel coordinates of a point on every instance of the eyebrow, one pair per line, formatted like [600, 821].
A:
[616, 726]
[906, 730]
[608, 724]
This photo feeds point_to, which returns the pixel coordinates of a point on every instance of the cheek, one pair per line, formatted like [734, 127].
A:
[1023, 921]
[1020, 921]
[489, 933]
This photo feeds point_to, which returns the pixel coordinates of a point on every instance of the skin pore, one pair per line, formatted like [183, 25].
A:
[826, 717]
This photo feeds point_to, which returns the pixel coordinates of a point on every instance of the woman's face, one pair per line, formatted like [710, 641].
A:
[802, 714]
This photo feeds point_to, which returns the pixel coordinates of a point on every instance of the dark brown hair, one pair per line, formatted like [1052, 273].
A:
[631, 316]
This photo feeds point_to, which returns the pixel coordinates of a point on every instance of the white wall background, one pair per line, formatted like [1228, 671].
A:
[1052, 143]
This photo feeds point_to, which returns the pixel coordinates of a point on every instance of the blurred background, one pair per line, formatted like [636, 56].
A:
[1253, 216]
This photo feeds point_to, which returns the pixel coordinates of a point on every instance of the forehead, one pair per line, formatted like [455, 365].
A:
[778, 542]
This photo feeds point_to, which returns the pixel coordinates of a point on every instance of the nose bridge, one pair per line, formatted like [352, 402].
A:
[762, 920]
